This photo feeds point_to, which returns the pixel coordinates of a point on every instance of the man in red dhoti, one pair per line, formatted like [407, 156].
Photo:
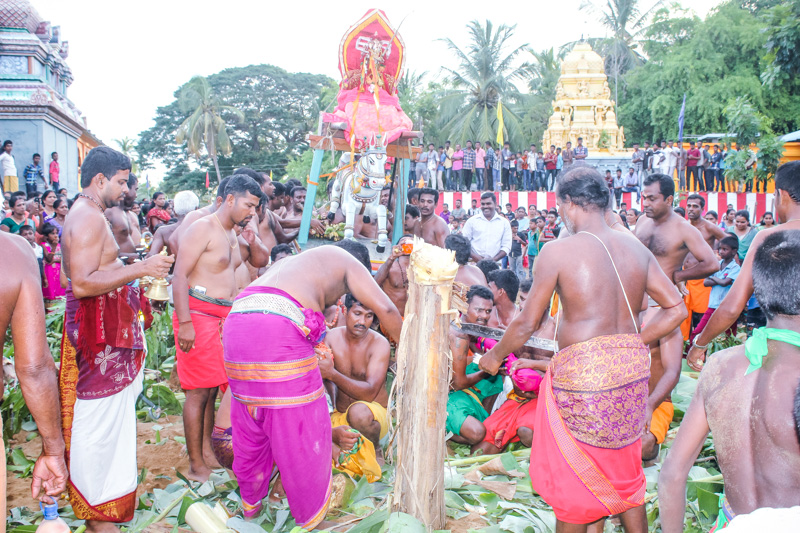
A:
[103, 348]
[279, 413]
[590, 414]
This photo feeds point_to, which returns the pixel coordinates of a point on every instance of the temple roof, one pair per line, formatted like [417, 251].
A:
[19, 14]
[582, 59]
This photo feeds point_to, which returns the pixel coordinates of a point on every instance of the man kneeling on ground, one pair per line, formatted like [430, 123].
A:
[358, 366]
[471, 386]
[759, 454]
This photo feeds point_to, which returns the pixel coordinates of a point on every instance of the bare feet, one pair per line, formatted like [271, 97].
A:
[199, 473]
[211, 461]
[96, 526]
[277, 493]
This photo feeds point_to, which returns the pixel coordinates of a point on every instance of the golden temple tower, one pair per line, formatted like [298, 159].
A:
[583, 105]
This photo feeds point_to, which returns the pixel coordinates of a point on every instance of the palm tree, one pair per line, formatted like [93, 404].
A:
[483, 81]
[627, 25]
[204, 128]
[543, 73]
[127, 147]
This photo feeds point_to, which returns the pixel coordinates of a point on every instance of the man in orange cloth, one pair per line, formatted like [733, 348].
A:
[204, 287]
[591, 409]
[696, 301]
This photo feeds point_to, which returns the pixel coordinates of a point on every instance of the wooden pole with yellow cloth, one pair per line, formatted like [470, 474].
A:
[420, 390]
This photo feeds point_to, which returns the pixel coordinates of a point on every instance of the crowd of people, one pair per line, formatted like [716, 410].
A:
[483, 167]
[608, 289]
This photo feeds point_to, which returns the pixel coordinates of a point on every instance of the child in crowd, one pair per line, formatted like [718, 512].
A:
[540, 181]
[520, 174]
[512, 173]
[27, 232]
[51, 287]
[534, 232]
[722, 281]
[518, 246]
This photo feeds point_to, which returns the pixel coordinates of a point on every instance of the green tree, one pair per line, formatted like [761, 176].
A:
[485, 79]
[770, 152]
[204, 127]
[783, 41]
[627, 25]
[279, 108]
[543, 71]
[127, 147]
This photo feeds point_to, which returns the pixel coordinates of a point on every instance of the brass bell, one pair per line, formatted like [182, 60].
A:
[158, 286]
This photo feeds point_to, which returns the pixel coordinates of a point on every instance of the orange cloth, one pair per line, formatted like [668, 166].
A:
[662, 418]
[696, 302]
[503, 424]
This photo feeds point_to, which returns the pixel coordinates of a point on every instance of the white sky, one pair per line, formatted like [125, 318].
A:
[128, 58]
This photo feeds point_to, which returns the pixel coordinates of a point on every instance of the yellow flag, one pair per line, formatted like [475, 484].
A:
[499, 123]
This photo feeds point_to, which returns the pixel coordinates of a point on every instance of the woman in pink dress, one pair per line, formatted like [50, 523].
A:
[52, 288]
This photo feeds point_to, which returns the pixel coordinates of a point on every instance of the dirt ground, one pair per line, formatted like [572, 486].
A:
[160, 460]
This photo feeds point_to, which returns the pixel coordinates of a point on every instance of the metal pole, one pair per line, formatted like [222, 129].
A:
[400, 202]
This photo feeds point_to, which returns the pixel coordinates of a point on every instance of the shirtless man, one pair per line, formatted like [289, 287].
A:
[21, 307]
[787, 211]
[504, 285]
[392, 276]
[185, 203]
[177, 234]
[204, 286]
[471, 386]
[125, 224]
[294, 213]
[411, 219]
[271, 433]
[358, 369]
[467, 274]
[597, 324]
[747, 397]
[670, 238]
[431, 227]
[102, 398]
[711, 233]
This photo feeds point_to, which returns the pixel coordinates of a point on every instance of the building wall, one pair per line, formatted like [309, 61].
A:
[31, 136]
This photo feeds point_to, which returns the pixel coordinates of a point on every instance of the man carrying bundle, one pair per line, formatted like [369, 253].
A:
[591, 409]
[279, 412]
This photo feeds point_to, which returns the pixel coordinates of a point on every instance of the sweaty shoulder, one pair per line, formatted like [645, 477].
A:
[720, 368]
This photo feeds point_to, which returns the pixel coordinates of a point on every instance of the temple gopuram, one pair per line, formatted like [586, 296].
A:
[35, 112]
[583, 106]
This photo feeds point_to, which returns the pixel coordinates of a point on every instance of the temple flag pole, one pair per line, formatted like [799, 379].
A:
[311, 194]
[420, 390]
[401, 192]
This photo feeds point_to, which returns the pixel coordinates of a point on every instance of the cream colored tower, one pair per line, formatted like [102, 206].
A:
[583, 106]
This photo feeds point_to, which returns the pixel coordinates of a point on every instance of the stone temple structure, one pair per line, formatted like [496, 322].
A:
[35, 112]
[583, 106]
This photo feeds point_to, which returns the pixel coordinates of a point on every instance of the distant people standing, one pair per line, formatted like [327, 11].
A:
[497, 167]
[422, 167]
[693, 179]
[433, 163]
[672, 152]
[682, 158]
[9, 168]
[490, 159]
[54, 171]
[448, 167]
[648, 159]
[441, 183]
[637, 160]
[705, 160]
[581, 152]
[568, 155]
[468, 165]
[550, 161]
[481, 179]
[457, 158]
[507, 156]
[33, 174]
[718, 183]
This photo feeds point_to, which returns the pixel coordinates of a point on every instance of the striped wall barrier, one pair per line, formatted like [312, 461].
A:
[756, 203]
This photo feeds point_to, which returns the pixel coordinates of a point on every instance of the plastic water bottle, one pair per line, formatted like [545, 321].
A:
[52, 523]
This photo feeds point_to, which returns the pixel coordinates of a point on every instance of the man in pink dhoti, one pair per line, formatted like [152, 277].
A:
[590, 413]
[279, 413]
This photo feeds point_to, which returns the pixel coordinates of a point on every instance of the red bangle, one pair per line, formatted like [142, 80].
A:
[676, 305]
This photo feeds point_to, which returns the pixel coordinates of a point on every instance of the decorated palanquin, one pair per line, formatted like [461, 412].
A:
[371, 57]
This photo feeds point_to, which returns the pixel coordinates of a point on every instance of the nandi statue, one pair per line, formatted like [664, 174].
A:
[358, 189]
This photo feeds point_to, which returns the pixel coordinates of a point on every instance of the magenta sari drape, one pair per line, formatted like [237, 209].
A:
[279, 414]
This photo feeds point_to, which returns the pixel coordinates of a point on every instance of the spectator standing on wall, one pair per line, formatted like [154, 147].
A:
[9, 168]
[54, 171]
[33, 174]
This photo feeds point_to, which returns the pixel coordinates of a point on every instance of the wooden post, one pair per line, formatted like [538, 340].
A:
[311, 195]
[422, 384]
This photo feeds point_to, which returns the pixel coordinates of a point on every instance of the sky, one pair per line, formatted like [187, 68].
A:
[129, 58]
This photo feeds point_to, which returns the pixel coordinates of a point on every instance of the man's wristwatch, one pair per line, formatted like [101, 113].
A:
[695, 345]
